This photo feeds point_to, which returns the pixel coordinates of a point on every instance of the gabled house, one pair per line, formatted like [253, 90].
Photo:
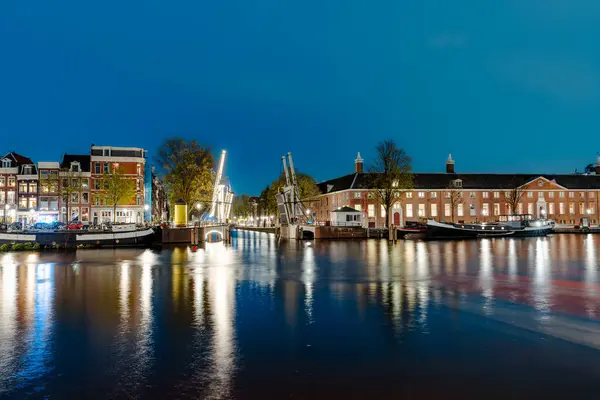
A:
[18, 188]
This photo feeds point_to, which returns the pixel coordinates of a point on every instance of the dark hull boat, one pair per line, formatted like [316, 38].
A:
[440, 230]
[74, 239]
[533, 228]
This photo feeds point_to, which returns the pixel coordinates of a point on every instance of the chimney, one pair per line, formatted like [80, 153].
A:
[598, 165]
[449, 165]
[358, 164]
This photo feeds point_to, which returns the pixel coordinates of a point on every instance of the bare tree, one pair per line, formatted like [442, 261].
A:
[513, 198]
[454, 195]
[391, 175]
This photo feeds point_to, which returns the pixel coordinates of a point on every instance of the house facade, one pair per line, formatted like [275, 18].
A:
[104, 159]
[48, 191]
[75, 195]
[8, 188]
[564, 198]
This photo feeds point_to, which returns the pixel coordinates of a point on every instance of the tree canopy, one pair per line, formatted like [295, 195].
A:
[188, 172]
[118, 189]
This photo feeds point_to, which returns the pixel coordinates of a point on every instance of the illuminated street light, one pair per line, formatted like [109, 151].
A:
[146, 207]
[307, 212]
[588, 211]
[199, 206]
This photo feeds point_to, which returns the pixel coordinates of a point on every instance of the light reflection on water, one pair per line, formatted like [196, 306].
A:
[146, 323]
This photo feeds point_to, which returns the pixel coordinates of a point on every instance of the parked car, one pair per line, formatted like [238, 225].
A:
[57, 225]
[41, 225]
[75, 225]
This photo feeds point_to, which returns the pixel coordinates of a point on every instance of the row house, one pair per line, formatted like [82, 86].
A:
[18, 188]
[75, 174]
[565, 198]
[48, 192]
[132, 160]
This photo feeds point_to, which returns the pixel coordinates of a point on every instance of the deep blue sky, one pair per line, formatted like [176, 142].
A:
[505, 86]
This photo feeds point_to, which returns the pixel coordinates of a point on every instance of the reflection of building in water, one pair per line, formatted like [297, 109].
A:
[8, 319]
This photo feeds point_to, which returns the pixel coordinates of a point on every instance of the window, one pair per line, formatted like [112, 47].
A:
[11, 181]
[472, 195]
[581, 195]
[561, 208]
[22, 202]
[486, 209]
[447, 195]
[409, 195]
[97, 200]
[591, 208]
[74, 167]
[434, 210]
[421, 210]
[421, 195]
[98, 184]
[74, 213]
[447, 210]
[32, 187]
[409, 212]
[550, 195]
[139, 201]
[27, 170]
[139, 186]
[571, 208]
[581, 208]
[396, 195]
[382, 211]
[358, 207]
[472, 210]
[496, 195]
[97, 168]
[397, 206]
[371, 210]
[460, 211]
[44, 204]
[357, 195]
[32, 202]
[2, 181]
[561, 195]
[85, 214]
[5, 163]
[85, 198]
[571, 195]
[540, 195]
[1, 197]
[496, 209]
[22, 187]
[457, 183]
[434, 195]
[591, 194]
[520, 208]
[371, 196]
[106, 152]
[551, 208]
[10, 197]
[85, 184]
[106, 168]
[74, 197]
[530, 208]
[530, 195]
[139, 169]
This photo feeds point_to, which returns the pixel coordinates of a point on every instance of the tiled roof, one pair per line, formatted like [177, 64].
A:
[84, 161]
[346, 209]
[469, 181]
[20, 161]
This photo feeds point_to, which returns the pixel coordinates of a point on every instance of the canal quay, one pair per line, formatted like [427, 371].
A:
[259, 318]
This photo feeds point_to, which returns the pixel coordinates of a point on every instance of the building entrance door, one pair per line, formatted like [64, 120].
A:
[396, 218]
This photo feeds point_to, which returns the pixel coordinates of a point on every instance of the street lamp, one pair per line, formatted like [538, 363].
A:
[198, 206]
[146, 207]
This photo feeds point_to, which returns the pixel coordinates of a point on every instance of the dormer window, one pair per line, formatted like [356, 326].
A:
[106, 152]
[457, 183]
[6, 163]
[27, 170]
[74, 167]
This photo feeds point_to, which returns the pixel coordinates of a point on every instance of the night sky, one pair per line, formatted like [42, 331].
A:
[505, 86]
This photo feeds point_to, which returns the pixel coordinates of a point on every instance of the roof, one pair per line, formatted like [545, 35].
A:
[469, 181]
[20, 161]
[346, 209]
[82, 159]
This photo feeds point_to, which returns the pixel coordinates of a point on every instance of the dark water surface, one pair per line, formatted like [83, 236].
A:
[502, 318]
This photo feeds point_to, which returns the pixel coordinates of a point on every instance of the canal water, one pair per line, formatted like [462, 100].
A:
[501, 318]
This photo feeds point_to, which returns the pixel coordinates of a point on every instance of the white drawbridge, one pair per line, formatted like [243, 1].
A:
[291, 209]
[222, 194]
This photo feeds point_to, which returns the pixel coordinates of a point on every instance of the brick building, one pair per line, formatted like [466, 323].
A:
[18, 189]
[103, 160]
[48, 191]
[75, 173]
[565, 198]
[8, 187]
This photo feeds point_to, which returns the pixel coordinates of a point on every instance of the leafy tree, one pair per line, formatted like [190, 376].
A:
[241, 206]
[187, 169]
[391, 175]
[118, 189]
[65, 184]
